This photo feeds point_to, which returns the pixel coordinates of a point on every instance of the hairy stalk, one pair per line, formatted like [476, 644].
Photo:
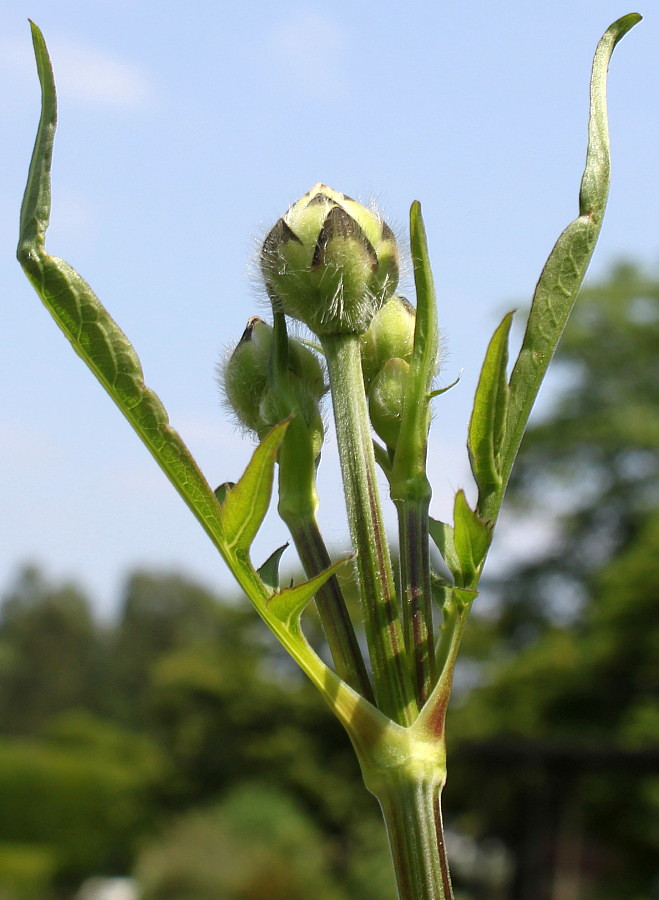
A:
[392, 684]
[298, 503]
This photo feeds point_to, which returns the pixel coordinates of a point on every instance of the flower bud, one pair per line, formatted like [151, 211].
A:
[385, 400]
[389, 336]
[246, 382]
[330, 262]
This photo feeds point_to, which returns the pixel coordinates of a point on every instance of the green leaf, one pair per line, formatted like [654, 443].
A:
[222, 490]
[289, 604]
[269, 571]
[93, 333]
[472, 538]
[411, 447]
[566, 266]
[442, 535]
[440, 589]
[426, 331]
[464, 597]
[245, 506]
[488, 418]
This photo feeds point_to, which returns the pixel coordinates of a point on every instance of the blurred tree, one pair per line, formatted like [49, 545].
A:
[158, 613]
[256, 845]
[559, 745]
[73, 803]
[259, 843]
[49, 653]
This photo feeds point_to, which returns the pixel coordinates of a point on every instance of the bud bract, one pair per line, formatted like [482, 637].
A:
[385, 400]
[247, 385]
[389, 336]
[330, 262]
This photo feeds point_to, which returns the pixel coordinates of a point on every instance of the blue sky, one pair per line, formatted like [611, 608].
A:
[186, 129]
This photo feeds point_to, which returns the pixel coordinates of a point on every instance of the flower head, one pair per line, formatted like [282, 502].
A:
[330, 262]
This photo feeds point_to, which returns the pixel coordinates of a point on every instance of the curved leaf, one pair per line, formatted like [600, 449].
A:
[566, 266]
[94, 335]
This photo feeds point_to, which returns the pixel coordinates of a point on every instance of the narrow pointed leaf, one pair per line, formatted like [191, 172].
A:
[410, 458]
[93, 333]
[566, 266]
[488, 418]
[442, 535]
[245, 506]
[472, 538]
[289, 604]
[439, 391]
[269, 571]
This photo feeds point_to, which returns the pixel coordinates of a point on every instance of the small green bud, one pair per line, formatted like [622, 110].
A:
[385, 400]
[389, 336]
[245, 379]
[330, 262]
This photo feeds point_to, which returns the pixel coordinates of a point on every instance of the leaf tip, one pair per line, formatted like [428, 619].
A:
[621, 26]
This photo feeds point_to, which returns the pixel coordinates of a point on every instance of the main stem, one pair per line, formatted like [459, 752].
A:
[392, 684]
[412, 813]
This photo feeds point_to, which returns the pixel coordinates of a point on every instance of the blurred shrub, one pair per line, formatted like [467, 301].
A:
[255, 845]
[72, 803]
[25, 871]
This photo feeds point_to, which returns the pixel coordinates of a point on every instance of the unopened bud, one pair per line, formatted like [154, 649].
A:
[389, 336]
[385, 400]
[330, 262]
[245, 379]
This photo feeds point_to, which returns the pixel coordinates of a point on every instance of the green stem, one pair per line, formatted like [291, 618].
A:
[410, 803]
[393, 687]
[298, 502]
[331, 605]
[416, 591]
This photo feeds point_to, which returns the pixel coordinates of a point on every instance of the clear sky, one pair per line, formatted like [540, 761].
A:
[186, 129]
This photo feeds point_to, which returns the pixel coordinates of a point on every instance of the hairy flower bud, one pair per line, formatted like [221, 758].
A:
[246, 383]
[389, 336]
[385, 400]
[330, 262]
